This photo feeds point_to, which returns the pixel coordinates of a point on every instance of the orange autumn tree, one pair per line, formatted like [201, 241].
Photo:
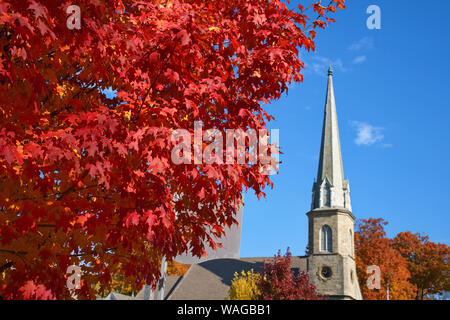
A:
[86, 178]
[428, 263]
[177, 269]
[124, 285]
[372, 247]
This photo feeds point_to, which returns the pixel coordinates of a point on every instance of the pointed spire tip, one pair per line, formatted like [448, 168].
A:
[330, 70]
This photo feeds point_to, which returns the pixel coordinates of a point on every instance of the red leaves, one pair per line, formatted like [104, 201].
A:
[31, 291]
[24, 224]
[132, 219]
[184, 37]
[39, 10]
[8, 150]
[172, 75]
[201, 194]
[154, 57]
[88, 176]
[11, 154]
[279, 282]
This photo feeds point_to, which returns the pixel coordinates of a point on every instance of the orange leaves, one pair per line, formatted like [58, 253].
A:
[177, 269]
[322, 20]
[340, 4]
[319, 23]
[372, 247]
[427, 262]
[319, 8]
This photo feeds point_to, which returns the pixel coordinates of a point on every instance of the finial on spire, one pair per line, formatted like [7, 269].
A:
[330, 70]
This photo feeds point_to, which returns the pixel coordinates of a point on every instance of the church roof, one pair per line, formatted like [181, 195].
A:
[211, 280]
[330, 162]
[117, 296]
[230, 241]
[171, 282]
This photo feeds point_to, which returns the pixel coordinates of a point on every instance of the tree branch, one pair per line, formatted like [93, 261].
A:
[6, 266]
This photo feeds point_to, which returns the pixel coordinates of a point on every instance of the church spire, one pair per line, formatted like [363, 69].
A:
[331, 255]
[330, 190]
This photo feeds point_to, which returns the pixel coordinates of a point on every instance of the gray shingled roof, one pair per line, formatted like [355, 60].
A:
[211, 280]
[117, 296]
[231, 244]
[171, 282]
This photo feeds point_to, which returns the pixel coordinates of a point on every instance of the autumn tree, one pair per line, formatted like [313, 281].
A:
[124, 285]
[373, 248]
[245, 286]
[175, 268]
[87, 178]
[280, 283]
[121, 284]
[428, 263]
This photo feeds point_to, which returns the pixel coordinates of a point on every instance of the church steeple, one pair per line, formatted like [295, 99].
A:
[330, 190]
[331, 256]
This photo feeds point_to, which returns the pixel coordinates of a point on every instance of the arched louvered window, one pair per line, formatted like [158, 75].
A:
[326, 239]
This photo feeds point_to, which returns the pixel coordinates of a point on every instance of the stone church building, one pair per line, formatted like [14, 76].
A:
[330, 259]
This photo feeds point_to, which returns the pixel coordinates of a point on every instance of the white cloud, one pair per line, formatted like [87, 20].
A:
[366, 43]
[339, 65]
[359, 59]
[367, 134]
[319, 65]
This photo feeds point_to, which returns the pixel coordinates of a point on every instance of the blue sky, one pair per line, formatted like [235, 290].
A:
[392, 91]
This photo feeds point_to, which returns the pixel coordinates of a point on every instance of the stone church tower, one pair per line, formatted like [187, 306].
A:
[331, 256]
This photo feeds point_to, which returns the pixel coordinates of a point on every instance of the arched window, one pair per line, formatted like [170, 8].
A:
[326, 239]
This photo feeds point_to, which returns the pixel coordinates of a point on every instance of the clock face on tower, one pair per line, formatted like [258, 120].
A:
[325, 272]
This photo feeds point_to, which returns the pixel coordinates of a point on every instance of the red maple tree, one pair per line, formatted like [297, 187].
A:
[280, 283]
[86, 178]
